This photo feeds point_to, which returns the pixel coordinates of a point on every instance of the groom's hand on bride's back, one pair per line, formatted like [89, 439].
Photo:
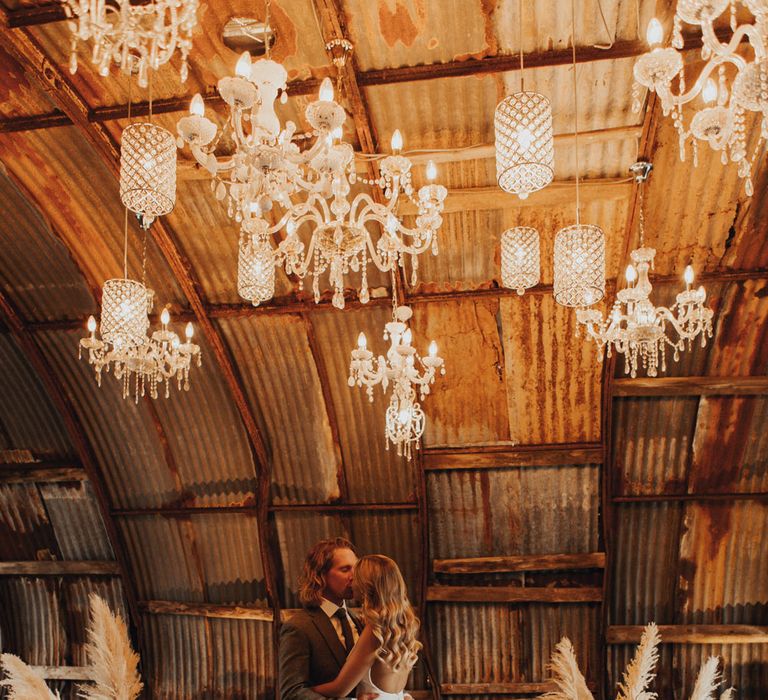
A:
[367, 696]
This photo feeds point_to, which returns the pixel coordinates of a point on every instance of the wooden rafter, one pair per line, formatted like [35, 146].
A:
[514, 594]
[692, 634]
[520, 562]
[691, 386]
[252, 508]
[44, 471]
[495, 456]
[59, 568]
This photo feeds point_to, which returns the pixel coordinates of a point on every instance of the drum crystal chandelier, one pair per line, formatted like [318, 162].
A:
[309, 190]
[405, 418]
[136, 37]
[636, 328]
[741, 85]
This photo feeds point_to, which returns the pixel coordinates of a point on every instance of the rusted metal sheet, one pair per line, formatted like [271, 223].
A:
[36, 269]
[19, 97]
[26, 532]
[373, 472]
[513, 511]
[28, 417]
[283, 388]
[652, 443]
[552, 377]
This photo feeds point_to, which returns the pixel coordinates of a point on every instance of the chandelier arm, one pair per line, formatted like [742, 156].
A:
[678, 100]
[749, 31]
[170, 45]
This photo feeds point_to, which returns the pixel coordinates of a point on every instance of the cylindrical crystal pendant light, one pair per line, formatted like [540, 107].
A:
[525, 152]
[255, 269]
[124, 309]
[520, 258]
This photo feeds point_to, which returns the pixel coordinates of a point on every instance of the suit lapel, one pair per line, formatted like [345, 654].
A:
[328, 633]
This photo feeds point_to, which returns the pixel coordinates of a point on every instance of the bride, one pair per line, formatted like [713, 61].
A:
[382, 658]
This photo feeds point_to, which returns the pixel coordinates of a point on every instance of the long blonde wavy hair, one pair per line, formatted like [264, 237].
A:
[386, 608]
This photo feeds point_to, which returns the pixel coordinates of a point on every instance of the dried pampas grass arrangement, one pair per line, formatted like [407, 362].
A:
[112, 661]
[641, 670]
[566, 674]
[23, 682]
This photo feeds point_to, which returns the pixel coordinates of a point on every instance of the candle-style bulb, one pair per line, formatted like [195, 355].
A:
[397, 141]
[197, 106]
[243, 66]
[709, 93]
[189, 331]
[631, 274]
[91, 324]
[326, 90]
[362, 343]
[655, 32]
[431, 171]
[165, 317]
[407, 336]
[688, 275]
[433, 349]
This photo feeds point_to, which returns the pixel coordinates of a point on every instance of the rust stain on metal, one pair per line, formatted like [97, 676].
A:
[398, 24]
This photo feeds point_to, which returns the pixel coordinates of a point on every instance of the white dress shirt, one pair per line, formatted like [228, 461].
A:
[330, 609]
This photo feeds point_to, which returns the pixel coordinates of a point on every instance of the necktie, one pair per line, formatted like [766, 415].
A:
[346, 630]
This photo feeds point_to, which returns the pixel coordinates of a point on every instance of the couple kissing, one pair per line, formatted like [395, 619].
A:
[326, 651]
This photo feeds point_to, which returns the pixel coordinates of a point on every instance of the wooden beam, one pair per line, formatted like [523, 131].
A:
[691, 386]
[703, 497]
[500, 456]
[513, 594]
[59, 568]
[64, 673]
[511, 688]
[692, 634]
[207, 610]
[522, 562]
[253, 508]
[42, 470]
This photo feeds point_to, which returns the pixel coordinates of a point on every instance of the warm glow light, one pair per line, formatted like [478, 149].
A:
[709, 93]
[431, 171]
[655, 32]
[525, 139]
[243, 66]
[433, 349]
[362, 343]
[337, 133]
[165, 317]
[404, 416]
[91, 324]
[397, 141]
[702, 293]
[407, 337]
[688, 274]
[189, 331]
[631, 274]
[290, 227]
[197, 106]
[326, 90]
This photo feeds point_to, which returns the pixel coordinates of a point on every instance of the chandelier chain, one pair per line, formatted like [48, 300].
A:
[267, 50]
[520, 14]
[575, 108]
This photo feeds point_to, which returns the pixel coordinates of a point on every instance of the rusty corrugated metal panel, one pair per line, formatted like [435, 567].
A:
[283, 387]
[228, 547]
[25, 531]
[652, 443]
[243, 659]
[296, 533]
[80, 199]
[74, 514]
[120, 431]
[513, 511]
[374, 473]
[206, 437]
[163, 558]
[175, 667]
[19, 97]
[754, 476]
[724, 565]
[645, 563]
[468, 404]
[26, 413]
[37, 272]
[552, 377]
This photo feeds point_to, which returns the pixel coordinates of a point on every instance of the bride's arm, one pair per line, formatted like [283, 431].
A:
[358, 662]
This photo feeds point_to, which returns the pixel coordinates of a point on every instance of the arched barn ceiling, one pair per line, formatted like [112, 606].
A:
[614, 501]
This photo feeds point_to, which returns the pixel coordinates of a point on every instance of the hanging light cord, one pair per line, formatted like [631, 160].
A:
[575, 106]
[642, 216]
[520, 13]
[125, 217]
[266, 27]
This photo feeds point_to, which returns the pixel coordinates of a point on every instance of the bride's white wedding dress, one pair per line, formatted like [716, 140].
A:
[368, 686]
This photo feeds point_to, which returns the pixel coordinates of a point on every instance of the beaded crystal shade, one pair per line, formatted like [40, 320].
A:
[255, 269]
[520, 258]
[525, 153]
[124, 307]
[148, 171]
[579, 265]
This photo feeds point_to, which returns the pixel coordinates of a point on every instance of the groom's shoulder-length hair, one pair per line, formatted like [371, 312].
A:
[316, 564]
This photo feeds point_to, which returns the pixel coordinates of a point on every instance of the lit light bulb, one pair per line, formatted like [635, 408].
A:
[709, 93]
[701, 293]
[243, 65]
[149, 163]
[407, 336]
[125, 308]
[431, 171]
[326, 90]
[404, 416]
[165, 317]
[524, 138]
[631, 274]
[433, 349]
[688, 275]
[336, 133]
[655, 32]
[397, 141]
[362, 343]
[189, 331]
[254, 208]
[91, 324]
[589, 297]
[197, 106]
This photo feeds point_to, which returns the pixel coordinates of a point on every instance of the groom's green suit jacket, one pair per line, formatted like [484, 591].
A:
[310, 654]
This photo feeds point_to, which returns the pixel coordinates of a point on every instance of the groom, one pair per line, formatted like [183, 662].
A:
[315, 642]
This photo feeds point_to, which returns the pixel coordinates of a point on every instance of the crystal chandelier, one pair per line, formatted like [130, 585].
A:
[310, 189]
[636, 328]
[525, 153]
[255, 263]
[136, 37]
[520, 258]
[405, 418]
[140, 361]
[721, 120]
[579, 264]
